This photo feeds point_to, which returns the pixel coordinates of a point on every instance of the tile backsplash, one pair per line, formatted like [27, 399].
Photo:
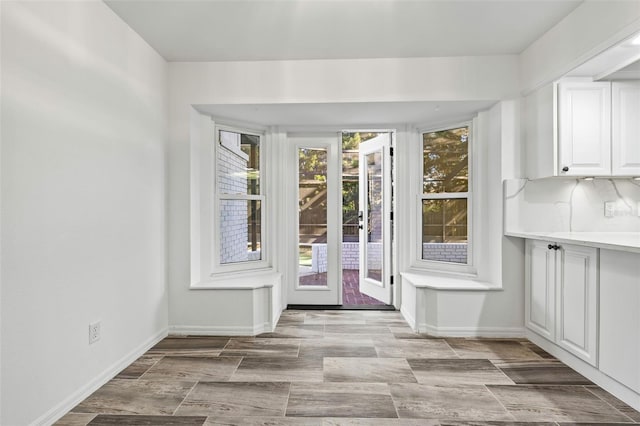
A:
[571, 205]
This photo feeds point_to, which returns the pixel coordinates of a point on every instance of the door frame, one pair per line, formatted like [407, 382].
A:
[291, 229]
[378, 289]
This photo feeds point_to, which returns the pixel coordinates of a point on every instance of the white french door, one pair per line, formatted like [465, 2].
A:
[375, 217]
[315, 199]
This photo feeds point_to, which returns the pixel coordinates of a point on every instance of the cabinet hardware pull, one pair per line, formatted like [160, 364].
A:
[553, 246]
[565, 169]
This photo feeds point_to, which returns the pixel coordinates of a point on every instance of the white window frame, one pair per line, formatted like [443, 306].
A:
[418, 261]
[249, 265]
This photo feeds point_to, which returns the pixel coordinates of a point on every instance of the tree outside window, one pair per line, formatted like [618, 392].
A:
[445, 193]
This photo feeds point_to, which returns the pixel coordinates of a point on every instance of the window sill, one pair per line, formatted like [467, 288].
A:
[239, 281]
[442, 282]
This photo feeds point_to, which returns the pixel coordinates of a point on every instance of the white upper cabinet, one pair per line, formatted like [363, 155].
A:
[584, 128]
[625, 144]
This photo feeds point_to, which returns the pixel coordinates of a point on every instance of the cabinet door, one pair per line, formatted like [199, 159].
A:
[576, 292]
[625, 132]
[584, 129]
[620, 317]
[539, 288]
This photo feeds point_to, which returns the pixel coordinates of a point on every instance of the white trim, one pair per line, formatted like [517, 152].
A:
[58, 411]
[380, 290]
[416, 259]
[216, 196]
[243, 280]
[330, 294]
[220, 330]
[448, 282]
[408, 317]
[511, 332]
[445, 196]
[230, 286]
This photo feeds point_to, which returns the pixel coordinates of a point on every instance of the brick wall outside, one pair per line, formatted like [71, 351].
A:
[445, 252]
[350, 256]
[233, 213]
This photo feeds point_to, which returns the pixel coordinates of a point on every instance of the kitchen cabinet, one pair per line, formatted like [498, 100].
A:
[625, 128]
[561, 285]
[540, 273]
[583, 128]
[620, 317]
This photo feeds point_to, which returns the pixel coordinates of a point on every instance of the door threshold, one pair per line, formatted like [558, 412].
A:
[342, 307]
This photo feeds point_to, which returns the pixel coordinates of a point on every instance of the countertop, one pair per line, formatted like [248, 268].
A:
[622, 241]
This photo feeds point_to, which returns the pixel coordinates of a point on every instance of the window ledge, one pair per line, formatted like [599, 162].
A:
[440, 282]
[244, 281]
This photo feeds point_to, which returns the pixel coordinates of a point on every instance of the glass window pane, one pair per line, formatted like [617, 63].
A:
[238, 163]
[444, 230]
[312, 216]
[375, 216]
[240, 231]
[446, 160]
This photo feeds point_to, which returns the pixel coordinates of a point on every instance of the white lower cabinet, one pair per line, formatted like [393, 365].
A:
[561, 289]
[540, 285]
[620, 317]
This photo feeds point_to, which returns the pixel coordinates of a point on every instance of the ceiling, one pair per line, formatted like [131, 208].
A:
[346, 115]
[252, 30]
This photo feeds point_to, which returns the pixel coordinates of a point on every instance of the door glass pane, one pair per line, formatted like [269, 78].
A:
[238, 163]
[446, 160]
[444, 230]
[374, 216]
[240, 223]
[312, 216]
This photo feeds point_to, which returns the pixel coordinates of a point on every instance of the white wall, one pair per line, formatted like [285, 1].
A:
[592, 27]
[421, 79]
[83, 202]
[346, 80]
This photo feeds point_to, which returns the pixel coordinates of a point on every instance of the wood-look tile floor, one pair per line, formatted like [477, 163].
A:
[347, 368]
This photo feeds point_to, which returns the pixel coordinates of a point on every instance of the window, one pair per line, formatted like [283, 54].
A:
[445, 196]
[239, 199]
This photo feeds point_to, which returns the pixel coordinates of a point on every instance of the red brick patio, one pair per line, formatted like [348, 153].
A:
[350, 287]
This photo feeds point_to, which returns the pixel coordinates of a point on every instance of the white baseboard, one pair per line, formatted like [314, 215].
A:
[223, 330]
[57, 412]
[501, 332]
[276, 318]
[408, 317]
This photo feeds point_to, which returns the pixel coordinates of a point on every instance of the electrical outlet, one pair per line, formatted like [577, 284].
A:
[609, 209]
[94, 332]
